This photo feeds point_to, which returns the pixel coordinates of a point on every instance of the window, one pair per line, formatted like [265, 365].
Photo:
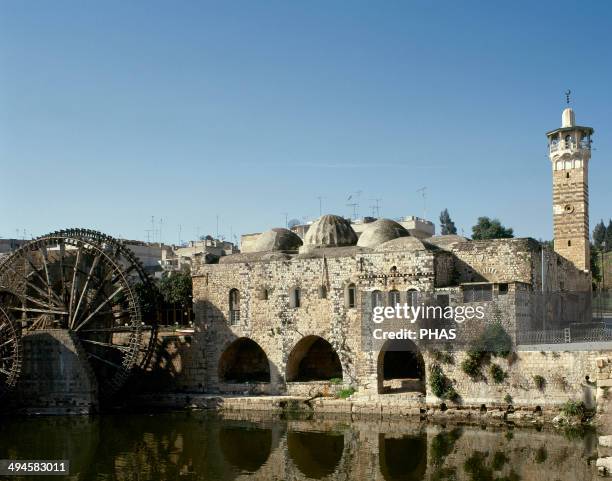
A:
[569, 243]
[323, 292]
[234, 306]
[394, 298]
[412, 297]
[567, 175]
[503, 289]
[351, 296]
[264, 295]
[377, 299]
[443, 300]
[477, 293]
[295, 298]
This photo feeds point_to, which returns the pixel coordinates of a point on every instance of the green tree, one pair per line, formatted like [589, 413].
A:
[447, 226]
[595, 265]
[487, 228]
[609, 236]
[177, 288]
[599, 234]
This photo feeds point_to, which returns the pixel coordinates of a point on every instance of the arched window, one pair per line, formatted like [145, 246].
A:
[394, 297]
[295, 298]
[412, 297]
[377, 299]
[234, 306]
[351, 296]
[323, 292]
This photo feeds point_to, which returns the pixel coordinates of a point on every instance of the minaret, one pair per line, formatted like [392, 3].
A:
[569, 152]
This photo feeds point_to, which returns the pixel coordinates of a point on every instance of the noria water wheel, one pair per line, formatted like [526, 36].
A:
[84, 282]
[10, 352]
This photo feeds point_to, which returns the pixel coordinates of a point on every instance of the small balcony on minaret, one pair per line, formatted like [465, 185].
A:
[570, 140]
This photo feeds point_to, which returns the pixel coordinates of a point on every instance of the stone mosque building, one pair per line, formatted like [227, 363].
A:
[288, 316]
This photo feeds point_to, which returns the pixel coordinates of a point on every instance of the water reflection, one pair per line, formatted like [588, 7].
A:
[316, 454]
[205, 446]
[402, 458]
[246, 448]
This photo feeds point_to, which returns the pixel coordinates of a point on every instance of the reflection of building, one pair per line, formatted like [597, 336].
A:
[290, 315]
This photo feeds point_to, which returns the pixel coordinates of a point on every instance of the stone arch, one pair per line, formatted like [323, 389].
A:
[393, 460]
[401, 367]
[315, 454]
[313, 359]
[244, 361]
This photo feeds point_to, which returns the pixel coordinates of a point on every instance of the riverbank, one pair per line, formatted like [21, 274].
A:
[408, 405]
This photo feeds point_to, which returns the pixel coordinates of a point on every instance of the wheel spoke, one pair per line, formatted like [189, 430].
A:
[106, 344]
[106, 301]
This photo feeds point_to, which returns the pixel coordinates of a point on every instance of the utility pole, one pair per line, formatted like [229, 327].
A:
[423, 191]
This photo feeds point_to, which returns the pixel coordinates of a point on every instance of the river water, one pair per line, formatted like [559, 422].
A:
[208, 446]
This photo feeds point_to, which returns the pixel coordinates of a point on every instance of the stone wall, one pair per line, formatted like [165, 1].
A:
[267, 313]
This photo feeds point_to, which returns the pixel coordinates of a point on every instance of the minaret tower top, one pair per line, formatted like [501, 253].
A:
[570, 151]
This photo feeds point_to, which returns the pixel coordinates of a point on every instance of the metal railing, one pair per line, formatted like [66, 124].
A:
[592, 332]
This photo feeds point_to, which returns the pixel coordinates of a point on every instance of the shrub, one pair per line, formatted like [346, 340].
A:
[508, 399]
[346, 393]
[539, 381]
[471, 366]
[440, 384]
[574, 408]
[497, 373]
[335, 380]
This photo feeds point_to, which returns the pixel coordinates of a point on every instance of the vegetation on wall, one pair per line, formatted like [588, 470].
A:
[494, 341]
[440, 384]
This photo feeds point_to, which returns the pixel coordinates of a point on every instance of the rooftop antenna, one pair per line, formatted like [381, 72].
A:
[423, 191]
[376, 208]
[286, 214]
[320, 205]
[179, 234]
[568, 92]
[217, 226]
[161, 224]
[153, 227]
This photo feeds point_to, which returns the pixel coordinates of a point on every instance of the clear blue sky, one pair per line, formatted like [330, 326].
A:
[112, 112]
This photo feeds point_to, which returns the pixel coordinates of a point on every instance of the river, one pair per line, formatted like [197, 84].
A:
[249, 446]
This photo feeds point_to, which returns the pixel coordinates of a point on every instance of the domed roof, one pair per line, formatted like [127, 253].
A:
[380, 231]
[330, 231]
[277, 239]
[402, 244]
[445, 241]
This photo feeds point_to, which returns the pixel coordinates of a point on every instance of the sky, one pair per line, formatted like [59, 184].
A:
[193, 118]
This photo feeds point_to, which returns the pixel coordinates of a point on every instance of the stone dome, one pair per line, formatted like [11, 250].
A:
[402, 244]
[277, 239]
[380, 231]
[330, 231]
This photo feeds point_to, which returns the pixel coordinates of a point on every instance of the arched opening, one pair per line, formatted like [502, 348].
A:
[394, 297]
[400, 367]
[351, 296]
[244, 361]
[246, 448]
[377, 299]
[315, 454]
[313, 359]
[402, 458]
[412, 297]
[234, 306]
